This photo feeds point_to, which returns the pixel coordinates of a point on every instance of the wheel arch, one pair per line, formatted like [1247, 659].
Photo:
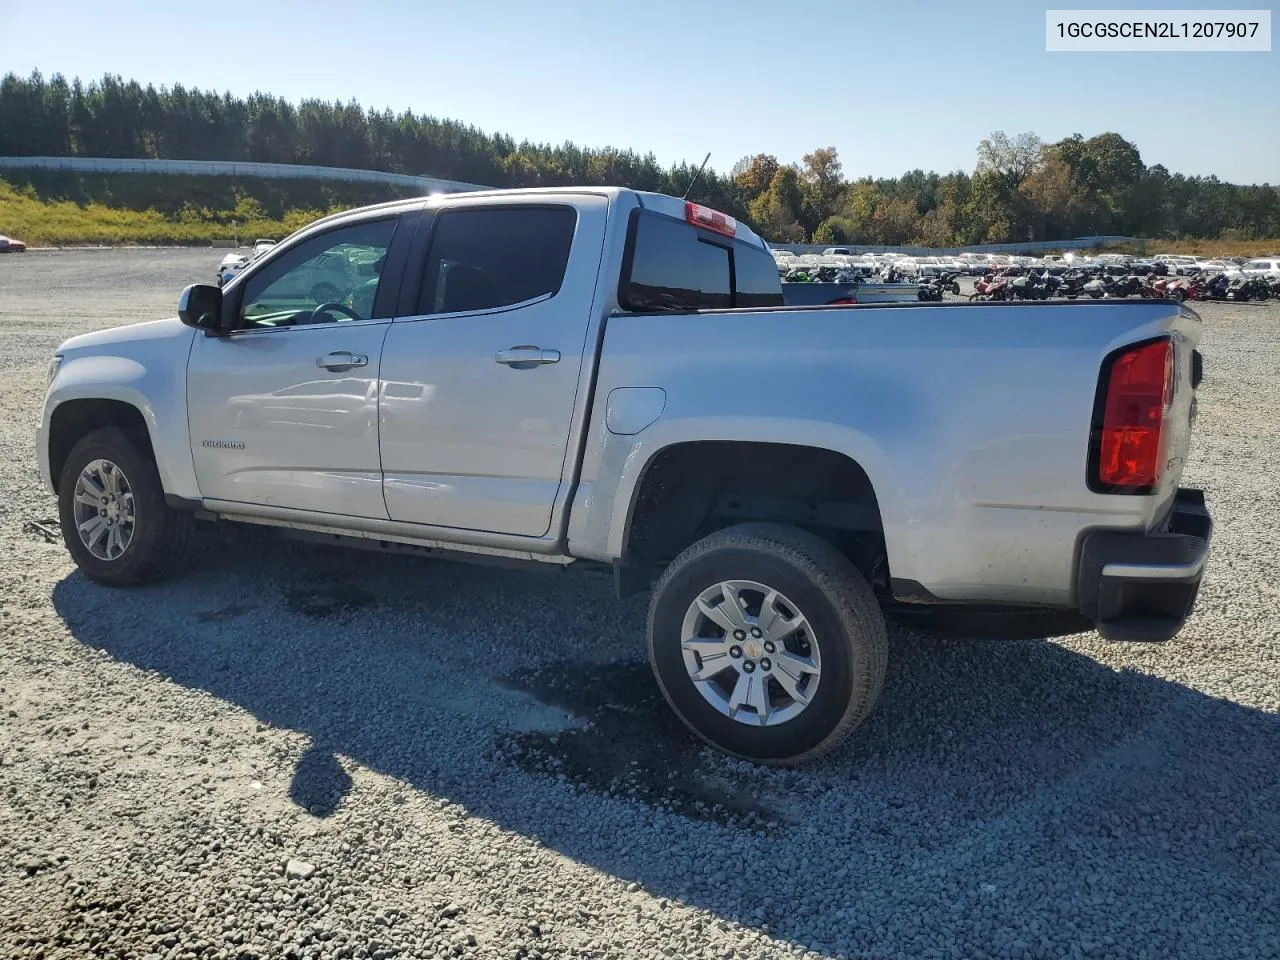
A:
[836, 455]
[71, 420]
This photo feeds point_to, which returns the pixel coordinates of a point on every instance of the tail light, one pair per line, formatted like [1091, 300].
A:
[1128, 448]
[709, 219]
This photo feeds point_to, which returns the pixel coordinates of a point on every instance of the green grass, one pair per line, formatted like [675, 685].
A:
[67, 209]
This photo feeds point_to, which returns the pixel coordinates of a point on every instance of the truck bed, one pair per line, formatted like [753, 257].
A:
[971, 420]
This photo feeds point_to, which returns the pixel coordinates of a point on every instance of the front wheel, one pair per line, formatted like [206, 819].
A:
[115, 522]
[767, 642]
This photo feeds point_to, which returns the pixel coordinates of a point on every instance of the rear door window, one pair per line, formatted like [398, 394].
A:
[487, 258]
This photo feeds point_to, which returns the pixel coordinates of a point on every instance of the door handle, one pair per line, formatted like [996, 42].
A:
[526, 357]
[342, 360]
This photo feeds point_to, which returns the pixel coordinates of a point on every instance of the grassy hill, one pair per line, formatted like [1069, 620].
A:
[62, 208]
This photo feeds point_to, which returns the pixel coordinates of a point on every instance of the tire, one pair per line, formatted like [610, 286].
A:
[844, 627]
[158, 535]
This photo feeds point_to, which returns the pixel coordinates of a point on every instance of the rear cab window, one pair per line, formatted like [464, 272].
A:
[671, 265]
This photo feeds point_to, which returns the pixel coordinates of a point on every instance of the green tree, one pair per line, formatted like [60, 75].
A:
[777, 211]
[822, 184]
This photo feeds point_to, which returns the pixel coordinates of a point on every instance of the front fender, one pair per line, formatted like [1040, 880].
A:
[156, 390]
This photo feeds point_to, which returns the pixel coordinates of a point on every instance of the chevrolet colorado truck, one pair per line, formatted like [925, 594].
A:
[600, 377]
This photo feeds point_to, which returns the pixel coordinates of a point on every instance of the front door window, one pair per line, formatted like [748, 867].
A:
[330, 278]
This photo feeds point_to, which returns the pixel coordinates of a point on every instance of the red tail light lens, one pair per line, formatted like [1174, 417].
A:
[709, 219]
[1130, 446]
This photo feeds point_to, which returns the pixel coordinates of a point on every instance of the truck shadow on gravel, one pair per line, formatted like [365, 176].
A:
[988, 768]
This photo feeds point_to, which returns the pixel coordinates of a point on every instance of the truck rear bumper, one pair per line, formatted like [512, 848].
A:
[1143, 586]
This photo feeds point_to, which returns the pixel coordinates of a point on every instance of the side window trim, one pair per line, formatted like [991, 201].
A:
[396, 267]
[487, 311]
[415, 269]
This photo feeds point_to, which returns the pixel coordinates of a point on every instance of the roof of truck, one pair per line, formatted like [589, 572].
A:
[660, 202]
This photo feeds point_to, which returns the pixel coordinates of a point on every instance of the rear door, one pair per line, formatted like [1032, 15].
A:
[480, 376]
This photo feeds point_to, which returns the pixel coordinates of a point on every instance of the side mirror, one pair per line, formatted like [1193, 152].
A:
[200, 306]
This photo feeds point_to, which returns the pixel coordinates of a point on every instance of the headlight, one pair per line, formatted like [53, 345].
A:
[54, 364]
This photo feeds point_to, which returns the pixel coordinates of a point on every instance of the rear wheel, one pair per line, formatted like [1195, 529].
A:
[767, 642]
[111, 506]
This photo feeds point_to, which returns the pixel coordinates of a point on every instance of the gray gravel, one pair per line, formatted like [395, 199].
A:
[298, 751]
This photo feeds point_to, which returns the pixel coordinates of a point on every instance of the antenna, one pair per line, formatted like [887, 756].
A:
[697, 175]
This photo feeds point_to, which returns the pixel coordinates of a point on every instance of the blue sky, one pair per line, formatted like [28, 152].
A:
[893, 86]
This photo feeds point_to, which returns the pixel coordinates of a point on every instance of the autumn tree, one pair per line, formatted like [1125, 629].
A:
[753, 175]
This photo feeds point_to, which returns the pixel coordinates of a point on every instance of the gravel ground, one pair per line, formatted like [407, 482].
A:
[309, 752]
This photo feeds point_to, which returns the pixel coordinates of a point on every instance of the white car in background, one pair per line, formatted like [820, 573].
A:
[231, 264]
[1266, 267]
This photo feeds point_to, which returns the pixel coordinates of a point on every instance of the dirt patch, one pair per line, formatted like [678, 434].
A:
[327, 601]
[230, 612]
[631, 745]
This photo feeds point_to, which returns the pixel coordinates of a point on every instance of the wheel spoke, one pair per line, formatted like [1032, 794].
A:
[91, 531]
[713, 657]
[790, 683]
[769, 614]
[722, 614]
[115, 543]
[751, 690]
[733, 604]
[774, 625]
[707, 648]
[711, 666]
[796, 665]
[110, 479]
[88, 499]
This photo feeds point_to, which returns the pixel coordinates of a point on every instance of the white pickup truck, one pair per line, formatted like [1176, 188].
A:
[590, 377]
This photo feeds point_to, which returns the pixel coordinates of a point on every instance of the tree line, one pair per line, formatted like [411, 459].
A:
[1021, 188]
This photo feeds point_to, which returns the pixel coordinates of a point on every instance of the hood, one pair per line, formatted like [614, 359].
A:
[171, 329]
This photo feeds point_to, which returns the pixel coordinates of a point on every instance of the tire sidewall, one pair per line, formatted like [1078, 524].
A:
[780, 742]
[148, 508]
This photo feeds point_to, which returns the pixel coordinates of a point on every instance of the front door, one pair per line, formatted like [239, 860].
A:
[478, 386]
[283, 412]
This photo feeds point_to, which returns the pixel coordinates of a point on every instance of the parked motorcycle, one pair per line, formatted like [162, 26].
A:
[929, 289]
[994, 286]
[1124, 286]
[1106, 286]
[1035, 286]
[1208, 286]
[1248, 288]
[1072, 283]
[1177, 287]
